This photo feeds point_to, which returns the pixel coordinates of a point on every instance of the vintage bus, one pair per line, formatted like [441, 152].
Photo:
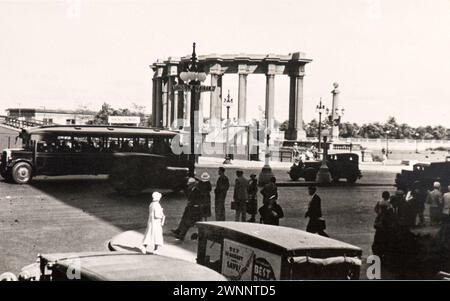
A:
[95, 150]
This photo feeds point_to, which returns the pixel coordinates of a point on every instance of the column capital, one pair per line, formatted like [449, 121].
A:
[215, 69]
[243, 69]
[296, 70]
[158, 68]
[158, 71]
[271, 69]
[172, 70]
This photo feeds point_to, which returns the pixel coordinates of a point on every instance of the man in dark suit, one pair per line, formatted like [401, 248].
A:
[315, 224]
[240, 196]
[222, 186]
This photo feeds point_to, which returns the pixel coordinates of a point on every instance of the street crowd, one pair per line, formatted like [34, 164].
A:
[245, 202]
[397, 214]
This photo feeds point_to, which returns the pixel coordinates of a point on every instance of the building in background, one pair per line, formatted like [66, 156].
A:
[48, 116]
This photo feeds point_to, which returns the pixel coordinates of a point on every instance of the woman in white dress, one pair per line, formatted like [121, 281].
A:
[153, 237]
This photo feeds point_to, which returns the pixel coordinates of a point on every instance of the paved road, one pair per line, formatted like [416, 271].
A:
[64, 214]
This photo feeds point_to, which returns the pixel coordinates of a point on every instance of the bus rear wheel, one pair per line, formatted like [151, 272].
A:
[22, 173]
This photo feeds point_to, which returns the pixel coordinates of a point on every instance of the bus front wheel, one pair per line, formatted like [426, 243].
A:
[22, 173]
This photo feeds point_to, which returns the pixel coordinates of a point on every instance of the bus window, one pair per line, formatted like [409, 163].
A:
[41, 146]
[64, 144]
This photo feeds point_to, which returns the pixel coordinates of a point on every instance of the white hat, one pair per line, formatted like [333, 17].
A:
[437, 185]
[191, 180]
[156, 196]
[205, 176]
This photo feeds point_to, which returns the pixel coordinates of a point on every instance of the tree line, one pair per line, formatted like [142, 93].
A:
[391, 128]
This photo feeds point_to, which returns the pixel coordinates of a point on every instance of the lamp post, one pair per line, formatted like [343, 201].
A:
[323, 175]
[228, 102]
[320, 109]
[387, 143]
[416, 135]
[266, 172]
[193, 77]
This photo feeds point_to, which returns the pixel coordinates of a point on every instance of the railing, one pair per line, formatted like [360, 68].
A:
[19, 123]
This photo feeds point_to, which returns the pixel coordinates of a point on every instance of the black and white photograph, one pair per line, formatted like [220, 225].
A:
[224, 141]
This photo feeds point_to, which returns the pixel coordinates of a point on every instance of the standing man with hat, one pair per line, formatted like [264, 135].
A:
[435, 200]
[205, 189]
[220, 192]
[240, 196]
[192, 212]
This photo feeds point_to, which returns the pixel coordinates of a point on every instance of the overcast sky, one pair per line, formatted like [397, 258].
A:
[391, 58]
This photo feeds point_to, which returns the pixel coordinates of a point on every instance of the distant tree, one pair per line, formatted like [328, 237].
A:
[101, 118]
[312, 128]
[348, 130]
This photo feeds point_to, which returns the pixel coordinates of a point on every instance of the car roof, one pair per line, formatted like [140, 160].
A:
[284, 238]
[98, 130]
[132, 266]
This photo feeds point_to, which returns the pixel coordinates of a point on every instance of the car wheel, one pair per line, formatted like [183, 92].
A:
[351, 179]
[22, 173]
[310, 174]
[294, 174]
[8, 276]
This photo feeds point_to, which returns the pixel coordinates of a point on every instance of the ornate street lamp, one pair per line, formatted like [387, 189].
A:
[228, 102]
[320, 108]
[338, 113]
[193, 76]
[323, 175]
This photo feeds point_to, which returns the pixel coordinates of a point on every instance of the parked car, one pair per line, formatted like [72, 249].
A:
[114, 266]
[250, 251]
[341, 166]
[423, 175]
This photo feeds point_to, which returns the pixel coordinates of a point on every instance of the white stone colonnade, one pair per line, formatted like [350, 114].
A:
[169, 105]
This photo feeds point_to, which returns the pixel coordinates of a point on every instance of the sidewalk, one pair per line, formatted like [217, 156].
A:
[213, 162]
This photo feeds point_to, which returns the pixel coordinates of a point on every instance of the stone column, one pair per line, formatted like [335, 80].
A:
[219, 95]
[153, 101]
[270, 97]
[215, 112]
[301, 133]
[334, 111]
[242, 94]
[187, 112]
[200, 100]
[159, 103]
[295, 128]
[170, 101]
[165, 111]
[158, 68]
[215, 108]
[181, 102]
